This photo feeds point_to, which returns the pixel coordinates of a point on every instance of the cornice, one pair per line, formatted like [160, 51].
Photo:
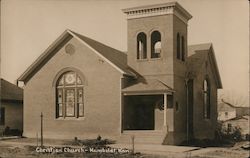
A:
[156, 10]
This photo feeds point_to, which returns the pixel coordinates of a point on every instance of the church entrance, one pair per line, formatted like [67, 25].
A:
[139, 112]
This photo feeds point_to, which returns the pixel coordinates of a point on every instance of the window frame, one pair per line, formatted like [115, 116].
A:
[178, 46]
[64, 88]
[155, 38]
[183, 48]
[207, 98]
[141, 37]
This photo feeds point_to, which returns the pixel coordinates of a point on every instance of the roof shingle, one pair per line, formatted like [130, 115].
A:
[10, 91]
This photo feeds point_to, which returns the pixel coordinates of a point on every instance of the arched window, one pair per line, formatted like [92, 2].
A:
[178, 46]
[155, 44]
[141, 46]
[69, 95]
[183, 48]
[206, 99]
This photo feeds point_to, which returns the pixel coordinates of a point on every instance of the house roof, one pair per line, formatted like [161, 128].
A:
[147, 85]
[245, 117]
[198, 55]
[114, 57]
[10, 92]
[224, 106]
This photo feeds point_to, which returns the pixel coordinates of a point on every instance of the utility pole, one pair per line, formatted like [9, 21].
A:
[41, 129]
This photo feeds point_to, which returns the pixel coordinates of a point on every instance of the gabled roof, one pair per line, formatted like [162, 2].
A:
[114, 57]
[147, 85]
[198, 55]
[225, 106]
[10, 92]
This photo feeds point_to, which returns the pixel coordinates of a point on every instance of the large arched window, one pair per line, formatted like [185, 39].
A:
[178, 46]
[69, 95]
[155, 44]
[206, 98]
[141, 46]
[183, 48]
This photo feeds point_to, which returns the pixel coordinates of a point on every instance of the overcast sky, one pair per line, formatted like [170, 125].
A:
[28, 27]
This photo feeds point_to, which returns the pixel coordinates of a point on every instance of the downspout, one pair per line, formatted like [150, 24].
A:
[121, 104]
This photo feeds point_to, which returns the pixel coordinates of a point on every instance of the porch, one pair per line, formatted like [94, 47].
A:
[147, 112]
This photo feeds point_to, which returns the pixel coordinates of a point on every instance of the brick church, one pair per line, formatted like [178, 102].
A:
[161, 90]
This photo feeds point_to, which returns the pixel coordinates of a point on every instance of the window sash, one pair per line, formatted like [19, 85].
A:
[70, 102]
[206, 99]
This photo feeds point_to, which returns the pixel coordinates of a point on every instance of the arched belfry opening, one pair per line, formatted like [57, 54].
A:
[141, 46]
[156, 48]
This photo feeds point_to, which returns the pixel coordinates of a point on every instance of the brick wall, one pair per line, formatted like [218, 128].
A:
[161, 68]
[204, 128]
[101, 97]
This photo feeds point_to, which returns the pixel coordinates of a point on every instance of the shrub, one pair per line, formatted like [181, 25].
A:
[224, 134]
[98, 142]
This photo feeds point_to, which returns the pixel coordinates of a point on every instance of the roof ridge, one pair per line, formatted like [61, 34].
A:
[101, 44]
[199, 44]
[96, 41]
[113, 55]
[228, 103]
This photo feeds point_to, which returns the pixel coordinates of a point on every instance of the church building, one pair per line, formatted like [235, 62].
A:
[161, 90]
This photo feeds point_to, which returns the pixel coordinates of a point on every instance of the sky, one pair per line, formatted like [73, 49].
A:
[28, 27]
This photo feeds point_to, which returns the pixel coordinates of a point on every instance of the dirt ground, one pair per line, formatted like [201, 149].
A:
[11, 149]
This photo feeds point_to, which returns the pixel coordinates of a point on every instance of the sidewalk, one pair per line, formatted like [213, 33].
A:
[154, 149]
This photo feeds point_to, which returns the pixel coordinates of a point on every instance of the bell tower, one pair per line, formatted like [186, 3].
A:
[152, 38]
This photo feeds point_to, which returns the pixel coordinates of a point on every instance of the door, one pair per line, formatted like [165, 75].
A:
[144, 117]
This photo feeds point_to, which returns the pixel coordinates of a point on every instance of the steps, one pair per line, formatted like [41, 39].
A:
[142, 137]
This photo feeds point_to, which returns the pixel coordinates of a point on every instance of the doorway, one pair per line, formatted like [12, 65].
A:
[139, 112]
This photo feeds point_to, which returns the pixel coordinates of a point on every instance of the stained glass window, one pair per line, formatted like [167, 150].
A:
[60, 102]
[70, 78]
[70, 95]
[70, 102]
[80, 102]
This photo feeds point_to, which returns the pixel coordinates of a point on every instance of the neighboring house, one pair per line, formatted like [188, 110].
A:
[11, 108]
[241, 122]
[226, 111]
[161, 90]
[242, 111]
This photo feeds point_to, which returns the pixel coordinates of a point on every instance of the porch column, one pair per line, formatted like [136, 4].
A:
[165, 109]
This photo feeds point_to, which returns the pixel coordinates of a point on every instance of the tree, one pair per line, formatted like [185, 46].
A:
[233, 98]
